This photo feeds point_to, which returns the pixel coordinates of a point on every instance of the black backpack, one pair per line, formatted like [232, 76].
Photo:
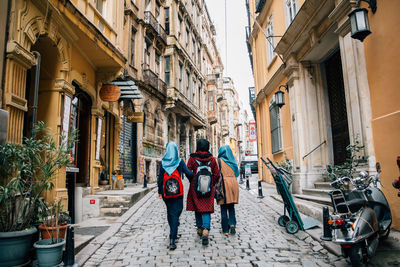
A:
[203, 181]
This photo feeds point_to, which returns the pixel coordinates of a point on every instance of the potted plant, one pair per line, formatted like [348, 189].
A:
[54, 220]
[49, 249]
[103, 177]
[26, 171]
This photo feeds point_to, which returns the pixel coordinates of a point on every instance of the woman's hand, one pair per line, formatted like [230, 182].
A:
[159, 196]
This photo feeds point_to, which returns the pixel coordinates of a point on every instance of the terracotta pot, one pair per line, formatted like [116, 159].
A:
[48, 232]
[109, 92]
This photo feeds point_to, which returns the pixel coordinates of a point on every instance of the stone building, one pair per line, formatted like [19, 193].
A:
[171, 54]
[333, 87]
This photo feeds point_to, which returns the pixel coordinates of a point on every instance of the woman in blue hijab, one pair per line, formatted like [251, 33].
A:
[229, 171]
[170, 188]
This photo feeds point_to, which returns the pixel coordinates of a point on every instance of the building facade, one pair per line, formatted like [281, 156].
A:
[172, 58]
[329, 84]
[79, 47]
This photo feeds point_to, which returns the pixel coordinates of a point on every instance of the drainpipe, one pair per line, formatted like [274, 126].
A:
[36, 89]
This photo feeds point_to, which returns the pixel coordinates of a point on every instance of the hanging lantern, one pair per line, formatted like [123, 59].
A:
[359, 24]
[279, 98]
[110, 92]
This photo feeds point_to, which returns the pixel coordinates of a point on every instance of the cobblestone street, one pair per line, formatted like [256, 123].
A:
[143, 239]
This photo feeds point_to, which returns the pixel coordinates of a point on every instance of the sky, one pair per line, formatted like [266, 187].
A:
[236, 63]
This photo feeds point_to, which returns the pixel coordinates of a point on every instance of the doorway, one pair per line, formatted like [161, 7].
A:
[128, 150]
[337, 107]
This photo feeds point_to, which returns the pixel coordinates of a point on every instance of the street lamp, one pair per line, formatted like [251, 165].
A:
[359, 23]
[279, 96]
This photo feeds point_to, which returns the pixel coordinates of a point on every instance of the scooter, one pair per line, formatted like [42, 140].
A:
[361, 216]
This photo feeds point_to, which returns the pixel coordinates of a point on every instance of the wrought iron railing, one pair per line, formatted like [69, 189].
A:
[150, 78]
[152, 21]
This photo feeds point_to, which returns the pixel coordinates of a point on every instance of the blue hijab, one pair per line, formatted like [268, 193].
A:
[171, 161]
[225, 153]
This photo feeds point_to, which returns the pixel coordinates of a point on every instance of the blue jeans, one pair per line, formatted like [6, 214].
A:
[174, 210]
[203, 220]
[227, 217]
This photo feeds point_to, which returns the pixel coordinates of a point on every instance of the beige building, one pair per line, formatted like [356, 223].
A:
[330, 83]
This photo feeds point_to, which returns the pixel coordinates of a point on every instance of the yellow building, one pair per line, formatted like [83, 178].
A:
[79, 48]
[337, 89]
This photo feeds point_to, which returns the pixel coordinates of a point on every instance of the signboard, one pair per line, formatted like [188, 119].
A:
[92, 201]
[252, 132]
[66, 117]
[135, 117]
[98, 138]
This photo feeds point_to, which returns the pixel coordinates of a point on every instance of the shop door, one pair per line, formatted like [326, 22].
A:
[337, 107]
[128, 147]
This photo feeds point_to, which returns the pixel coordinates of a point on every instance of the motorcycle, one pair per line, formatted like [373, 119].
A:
[361, 216]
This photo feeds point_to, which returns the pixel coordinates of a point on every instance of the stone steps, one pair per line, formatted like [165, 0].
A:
[323, 185]
[319, 200]
[115, 212]
[324, 193]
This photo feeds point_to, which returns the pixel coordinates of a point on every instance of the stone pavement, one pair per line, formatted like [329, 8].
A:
[141, 239]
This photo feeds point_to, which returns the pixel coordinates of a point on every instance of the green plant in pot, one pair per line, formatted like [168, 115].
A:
[55, 221]
[49, 249]
[27, 171]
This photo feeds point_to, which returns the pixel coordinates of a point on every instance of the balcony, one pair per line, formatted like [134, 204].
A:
[150, 20]
[150, 78]
[212, 118]
[225, 130]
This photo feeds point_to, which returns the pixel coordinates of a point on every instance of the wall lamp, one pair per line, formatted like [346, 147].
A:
[279, 95]
[359, 23]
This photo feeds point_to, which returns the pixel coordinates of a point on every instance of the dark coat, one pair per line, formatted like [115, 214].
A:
[195, 203]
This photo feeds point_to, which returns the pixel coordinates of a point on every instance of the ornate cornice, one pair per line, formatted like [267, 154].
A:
[64, 86]
[18, 53]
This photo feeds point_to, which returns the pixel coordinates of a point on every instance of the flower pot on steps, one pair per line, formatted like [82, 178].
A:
[49, 254]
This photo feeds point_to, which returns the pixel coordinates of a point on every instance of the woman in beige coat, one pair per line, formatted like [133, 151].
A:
[230, 172]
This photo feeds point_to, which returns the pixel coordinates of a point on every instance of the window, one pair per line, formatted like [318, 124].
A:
[194, 50]
[132, 58]
[270, 41]
[99, 5]
[291, 11]
[147, 53]
[167, 70]
[157, 61]
[180, 26]
[210, 101]
[199, 97]
[180, 77]
[194, 100]
[166, 22]
[187, 37]
[188, 84]
[275, 122]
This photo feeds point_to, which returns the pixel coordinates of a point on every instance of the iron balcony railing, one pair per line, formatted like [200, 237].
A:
[150, 78]
[152, 21]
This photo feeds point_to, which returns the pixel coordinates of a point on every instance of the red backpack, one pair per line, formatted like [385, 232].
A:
[172, 185]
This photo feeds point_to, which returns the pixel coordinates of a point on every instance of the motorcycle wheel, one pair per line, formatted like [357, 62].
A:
[292, 227]
[283, 220]
[356, 255]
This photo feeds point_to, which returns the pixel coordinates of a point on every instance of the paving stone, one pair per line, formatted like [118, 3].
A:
[143, 240]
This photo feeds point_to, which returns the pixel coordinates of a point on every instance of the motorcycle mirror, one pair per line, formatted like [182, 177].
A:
[378, 167]
[398, 161]
[363, 174]
[329, 168]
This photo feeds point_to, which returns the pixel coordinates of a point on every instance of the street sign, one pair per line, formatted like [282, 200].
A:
[252, 132]
[135, 117]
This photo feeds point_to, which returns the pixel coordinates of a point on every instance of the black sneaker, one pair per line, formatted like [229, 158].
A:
[172, 245]
[233, 230]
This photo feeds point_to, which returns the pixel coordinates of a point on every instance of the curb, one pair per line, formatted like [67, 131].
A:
[98, 241]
